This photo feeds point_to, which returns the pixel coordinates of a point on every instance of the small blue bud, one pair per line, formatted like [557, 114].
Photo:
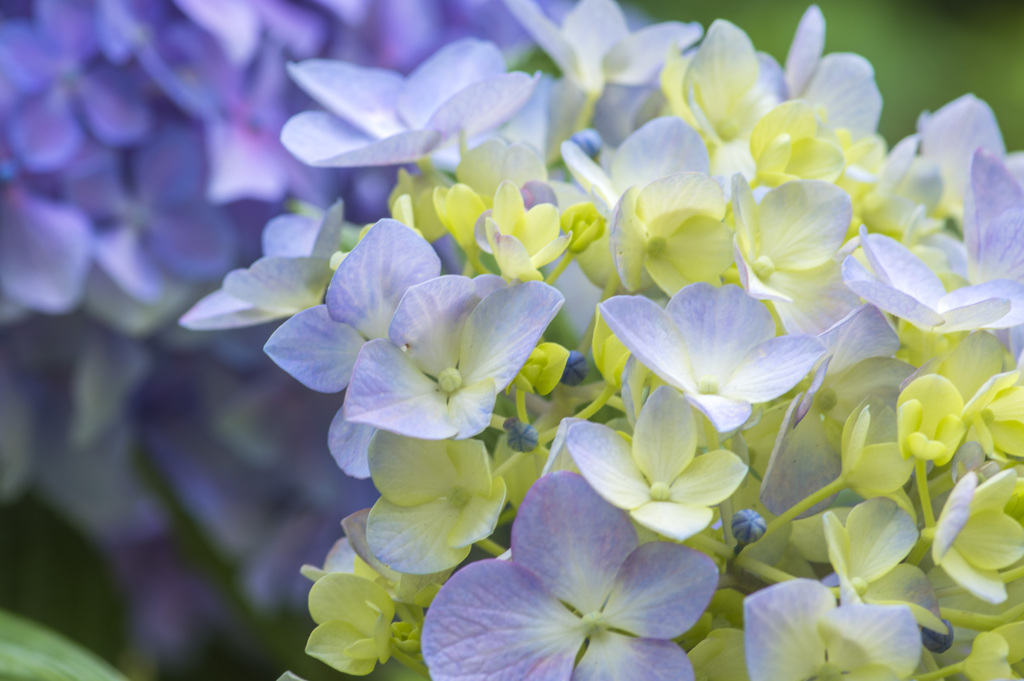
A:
[522, 437]
[589, 141]
[576, 368]
[938, 642]
[748, 526]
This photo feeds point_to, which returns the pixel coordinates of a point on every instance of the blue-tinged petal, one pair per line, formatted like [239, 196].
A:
[845, 85]
[235, 23]
[726, 413]
[414, 539]
[121, 252]
[447, 72]
[404, 147]
[429, 319]
[69, 25]
[952, 134]
[887, 298]
[818, 298]
[196, 242]
[773, 367]
[220, 310]
[611, 656]
[483, 105]
[992, 252]
[603, 458]
[27, 59]
[721, 327]
[290, 236]
[495, 620]
[388, 391]
[316, 350]
[650, 334]
[661, 590]
[894, 265]
[350, 445]
[803, 223]
[244, 164]
[116, 113]
[285, 284]
[469, 408]
[314, 137]
[373, 277]
[44, 132]
[661, 147]
[592, 27]
[364, 97]
[503, 330]
[955, 514]
[996, 304]
[546, 34]
[572, 539]
[637, 58]
[884, 635]
[781, 623]
[805, 51]
[45, 252]
[863, 333]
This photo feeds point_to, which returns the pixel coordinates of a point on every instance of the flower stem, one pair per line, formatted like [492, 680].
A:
[410, 662]
[971, 620]
[521, 406]
[940, 673]
[559, 268]
[796, 509]
[491, 547]
[921, 473]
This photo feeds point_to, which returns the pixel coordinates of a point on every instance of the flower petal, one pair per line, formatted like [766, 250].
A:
[781, 621]
[603, 458]
[611, 656]
[650, 334]
[364, 97]
[429, 320]
[349, 444]
[665, 436]
[710, 479]
[862, 635]
[316, 350]
[678, 521]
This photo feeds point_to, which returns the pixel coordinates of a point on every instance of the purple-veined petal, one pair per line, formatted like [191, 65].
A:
[349, 444]
[805, 50]
[996, 304]
[116, 114]
[289, 236]
[781, 623]
[220, 310]
[603, 458]
[444, 75]
[661, 590]
[572, 539]
[611, 656]
[482, 106]
[773, 367]
[863, 333]
[496, 620]
[373, 277]
[315, 137]
[403, 147]
[650, 334]
[952, 134]
[638, 57]
[894, 265]
[45, 252]
[244, 164]
[992, 250]
[887, 298]
[286, 284]
[721, 327]
[503, 330]
[121, 252]
[364, 97]
[725, 413]
[43, 131]
[429, 319]
[316, 350]
[845, 85]
[470, 407]
[661, 147]
[388, 391]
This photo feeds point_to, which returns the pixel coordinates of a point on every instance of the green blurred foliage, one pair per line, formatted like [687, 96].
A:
[924, 53]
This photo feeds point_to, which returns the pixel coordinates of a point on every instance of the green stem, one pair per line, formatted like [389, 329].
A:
[921, 473]
[971, 620]
[585, 413]
[491, 547]
[410, 662]
[498, 421]
[559, 268]
[941, 673]
[762, 570]
[521, 406]
[825, 492]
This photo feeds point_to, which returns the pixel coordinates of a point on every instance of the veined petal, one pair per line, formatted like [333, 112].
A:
[710, 479]
[985, 584]
[773, 367]
[725, 413]
[650, 334]
[996, 304]
[881, 535]
[444, 75]
[349, 444]
[659, 148]
[478, 517]
[803, 223]
[484, 105]
[896, 266]
[365, 97]
[429, 320]
[496, 620]
[470, 407]
[387, 390]
[604, 460]
[863, 333]
[369, 283]
[992, 216]
[678, 521]
[402, 147]
[316, 137]
[638, 57]
[887, 298]
[665, 436]
[316, 350]
[611, 656]
[414, 540]
[723, 70]
[782, 641]
[858, 636]
[409, 471]
[572, 539]
[844, 84]
[805, 50]
[991, 540]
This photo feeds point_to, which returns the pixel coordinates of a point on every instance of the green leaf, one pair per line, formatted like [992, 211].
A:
[30, 652]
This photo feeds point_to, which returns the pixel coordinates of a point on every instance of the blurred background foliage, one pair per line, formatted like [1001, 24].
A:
[925, 54]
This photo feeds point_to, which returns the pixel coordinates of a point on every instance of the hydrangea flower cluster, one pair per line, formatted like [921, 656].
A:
[726, 387]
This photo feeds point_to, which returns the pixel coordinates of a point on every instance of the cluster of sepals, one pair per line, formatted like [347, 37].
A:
[797, 456]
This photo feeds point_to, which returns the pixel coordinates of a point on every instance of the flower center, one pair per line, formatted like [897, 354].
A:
[459, 497]
[450, 380]
[707, 385]
[655, 246]
[727, 129]
[659, 492]
[763, 267]
[593, 622]
[826, 399]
